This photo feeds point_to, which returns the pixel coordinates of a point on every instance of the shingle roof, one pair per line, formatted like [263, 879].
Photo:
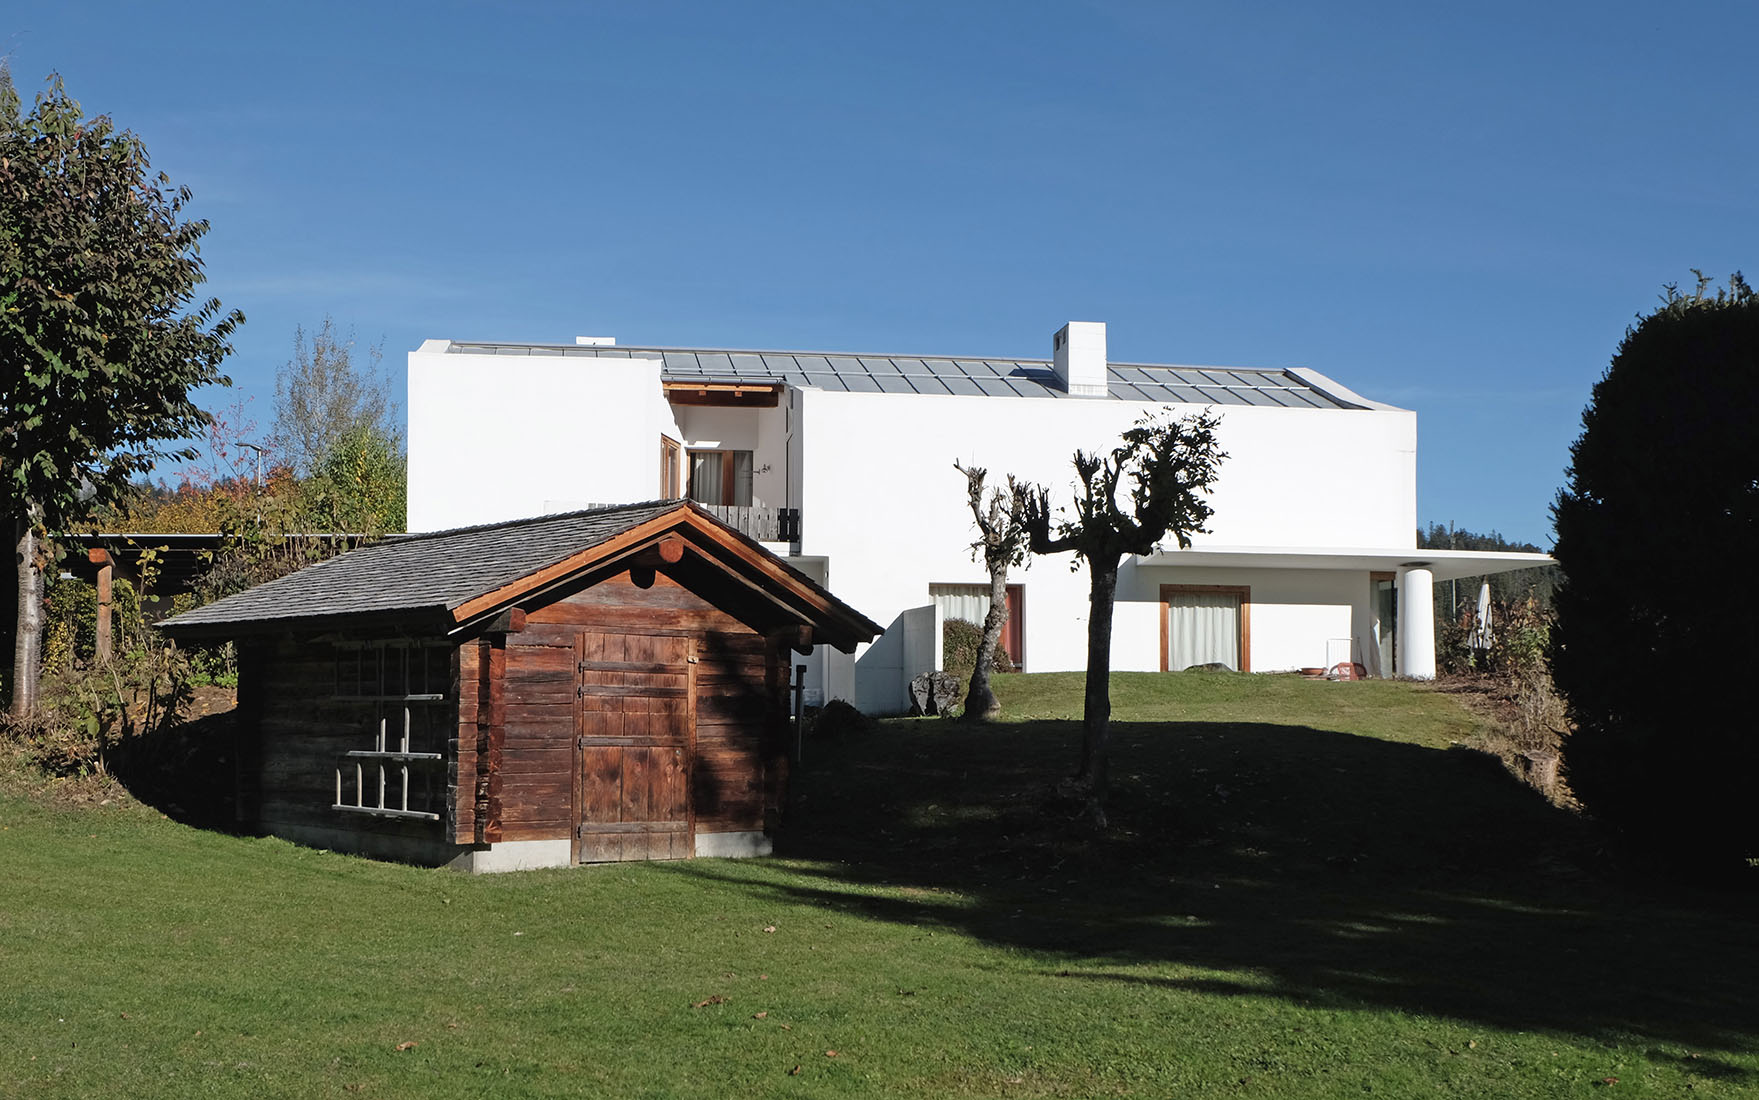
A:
[949, 375]
[433, 573]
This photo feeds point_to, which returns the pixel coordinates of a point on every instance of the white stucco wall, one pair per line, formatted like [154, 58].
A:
[498, 437]
[882, 502]
[1294, 612]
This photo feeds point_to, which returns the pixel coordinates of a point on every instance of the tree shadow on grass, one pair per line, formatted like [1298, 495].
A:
[1323, 867]
[185, 770]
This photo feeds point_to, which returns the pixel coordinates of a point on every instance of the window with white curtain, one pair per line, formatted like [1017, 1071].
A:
[960, 601]
[1203, 627]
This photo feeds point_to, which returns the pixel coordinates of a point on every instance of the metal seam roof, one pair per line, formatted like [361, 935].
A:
[837, 371]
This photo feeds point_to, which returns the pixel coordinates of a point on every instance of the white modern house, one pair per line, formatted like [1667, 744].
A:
[844, 464]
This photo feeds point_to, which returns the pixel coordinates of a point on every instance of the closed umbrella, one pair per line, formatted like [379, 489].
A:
[1481, 636]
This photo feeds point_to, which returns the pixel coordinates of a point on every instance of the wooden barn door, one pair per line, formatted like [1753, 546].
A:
[636, 727]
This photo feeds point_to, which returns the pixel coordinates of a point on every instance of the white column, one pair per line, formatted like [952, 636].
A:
[1416, 623]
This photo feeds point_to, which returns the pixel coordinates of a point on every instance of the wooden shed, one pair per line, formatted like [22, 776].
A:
[597, 686]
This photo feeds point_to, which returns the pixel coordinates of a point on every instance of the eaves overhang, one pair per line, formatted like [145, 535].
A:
[1443, 565]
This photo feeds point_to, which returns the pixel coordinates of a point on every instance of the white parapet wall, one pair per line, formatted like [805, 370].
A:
[497, 437]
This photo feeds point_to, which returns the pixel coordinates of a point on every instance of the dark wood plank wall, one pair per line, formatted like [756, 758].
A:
[731, 712]
[253, 659]
[303, 725]
[472, 748]
[537, 756]
[509, 724]
[534, 764]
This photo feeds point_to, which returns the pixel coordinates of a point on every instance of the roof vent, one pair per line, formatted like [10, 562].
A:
[596, 341]
[1079, 358]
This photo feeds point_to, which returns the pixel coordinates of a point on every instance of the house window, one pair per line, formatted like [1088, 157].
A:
[1385, 608]
[398, 693]
[671, 468]
[971, 603]
[1206, 624]
[720, 477]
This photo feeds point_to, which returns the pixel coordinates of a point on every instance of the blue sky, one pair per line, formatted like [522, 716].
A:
[1455, 209]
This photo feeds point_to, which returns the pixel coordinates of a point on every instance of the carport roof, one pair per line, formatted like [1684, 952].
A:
[1444, 565]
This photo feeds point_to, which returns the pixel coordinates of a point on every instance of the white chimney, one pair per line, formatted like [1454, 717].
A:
[596, 341]
[1079, 357]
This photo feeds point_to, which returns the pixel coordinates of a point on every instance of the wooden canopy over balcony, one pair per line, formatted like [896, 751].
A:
[738, 395]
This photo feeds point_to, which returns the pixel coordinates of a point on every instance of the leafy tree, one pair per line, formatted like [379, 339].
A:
[101, 340]
[1666, 472]
[1002, 543]
[360, 484]
[272, 521]
[325, 401]
[1169, 465]
[336, 425]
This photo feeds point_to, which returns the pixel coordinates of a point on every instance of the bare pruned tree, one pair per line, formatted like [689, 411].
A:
[1169, 465]
[1002, 544]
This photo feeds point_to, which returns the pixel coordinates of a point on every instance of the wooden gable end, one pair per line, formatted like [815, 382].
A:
[690, 547]
[630, 714]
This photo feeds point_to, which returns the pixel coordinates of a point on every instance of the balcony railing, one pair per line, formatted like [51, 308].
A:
[761, 523]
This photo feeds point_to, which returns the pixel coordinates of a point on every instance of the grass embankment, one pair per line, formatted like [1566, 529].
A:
[1307, 894]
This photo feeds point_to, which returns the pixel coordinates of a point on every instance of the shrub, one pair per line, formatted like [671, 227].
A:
[1520, 631]
[837, 718]
[92, 715]
[1662, 745]
[70, 622]
[52, 743]
[70, 634]
[959, 642]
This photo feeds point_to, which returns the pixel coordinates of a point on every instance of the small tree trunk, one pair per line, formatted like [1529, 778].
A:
[981, 703]
[1096, 711]
[27, 646]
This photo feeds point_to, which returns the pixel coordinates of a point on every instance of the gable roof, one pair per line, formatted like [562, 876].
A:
[449, 580]
[943, 375]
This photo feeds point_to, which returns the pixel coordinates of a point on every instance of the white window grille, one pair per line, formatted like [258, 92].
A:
[401, 688]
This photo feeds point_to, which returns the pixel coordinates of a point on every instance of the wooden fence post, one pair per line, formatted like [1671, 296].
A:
[101, 558]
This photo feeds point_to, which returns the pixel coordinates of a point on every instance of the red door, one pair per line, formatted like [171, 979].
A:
[1013, 630]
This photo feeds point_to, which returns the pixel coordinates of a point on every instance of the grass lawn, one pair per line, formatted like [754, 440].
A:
[1306, 893]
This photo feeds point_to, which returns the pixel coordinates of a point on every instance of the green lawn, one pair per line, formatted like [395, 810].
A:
[1307, 893]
